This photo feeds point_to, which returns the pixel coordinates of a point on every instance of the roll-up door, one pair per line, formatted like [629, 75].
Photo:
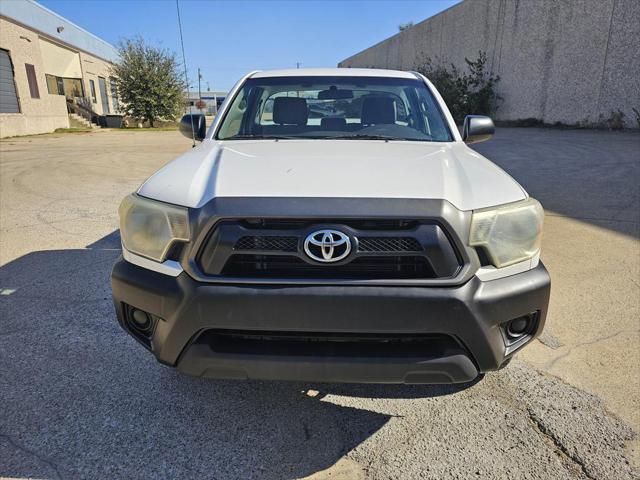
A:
[8, 94]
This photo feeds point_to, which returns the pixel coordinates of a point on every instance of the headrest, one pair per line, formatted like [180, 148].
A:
[290, 111]
[376, 110]
[333, 123]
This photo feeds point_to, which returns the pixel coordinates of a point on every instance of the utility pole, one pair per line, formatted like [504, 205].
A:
[199, 90]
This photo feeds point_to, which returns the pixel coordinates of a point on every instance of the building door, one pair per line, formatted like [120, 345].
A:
[114, 95]
[102, 84]
[8, 95]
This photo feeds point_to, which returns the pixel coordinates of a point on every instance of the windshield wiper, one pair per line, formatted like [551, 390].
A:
[359, 136]
[364, 136]
[263, 137]
[240, 137]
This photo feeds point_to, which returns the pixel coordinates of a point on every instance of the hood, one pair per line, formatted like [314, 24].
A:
[333, 168]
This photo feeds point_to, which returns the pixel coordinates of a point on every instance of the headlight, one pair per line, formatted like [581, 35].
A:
[510, 233]
[149, 228]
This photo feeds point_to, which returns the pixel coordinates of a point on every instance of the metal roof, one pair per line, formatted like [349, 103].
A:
[33, 15]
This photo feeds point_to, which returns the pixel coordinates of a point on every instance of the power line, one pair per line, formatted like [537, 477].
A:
[186, 76]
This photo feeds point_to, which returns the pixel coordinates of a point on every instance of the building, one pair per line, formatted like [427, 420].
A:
[51, 71]
[212, 101]
[573, 62]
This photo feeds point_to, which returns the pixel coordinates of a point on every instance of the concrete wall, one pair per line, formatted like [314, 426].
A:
[567, 61]
[59, 61]
[37, 115]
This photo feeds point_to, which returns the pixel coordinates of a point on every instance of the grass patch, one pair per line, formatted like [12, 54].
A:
[72, 130]
[47, 134]
[149, 129]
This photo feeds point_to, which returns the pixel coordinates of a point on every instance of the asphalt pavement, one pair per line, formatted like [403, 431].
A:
[81, 399]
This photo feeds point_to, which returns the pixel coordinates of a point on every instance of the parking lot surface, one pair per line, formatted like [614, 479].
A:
[81, 399]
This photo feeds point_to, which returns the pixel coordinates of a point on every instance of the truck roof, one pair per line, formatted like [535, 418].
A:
[334, 72]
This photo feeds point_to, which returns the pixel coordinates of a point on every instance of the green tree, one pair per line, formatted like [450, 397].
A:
[148, 81]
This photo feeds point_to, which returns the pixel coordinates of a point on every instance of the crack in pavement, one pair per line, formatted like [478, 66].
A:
[560, 448]
[549, 365]
[32, 453]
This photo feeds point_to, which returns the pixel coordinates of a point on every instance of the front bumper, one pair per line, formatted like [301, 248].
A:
[463, 325]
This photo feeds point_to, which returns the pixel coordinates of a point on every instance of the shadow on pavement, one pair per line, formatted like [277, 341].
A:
[378, 391]
[589, 175]
[80, 398]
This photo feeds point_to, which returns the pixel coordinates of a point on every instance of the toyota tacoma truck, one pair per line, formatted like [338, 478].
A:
[332, 226]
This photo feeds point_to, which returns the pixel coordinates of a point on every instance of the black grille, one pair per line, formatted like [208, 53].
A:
[388, 244]
[358, 224]
[268, 249]
[365, 244]
[266, 266]
[271, 243]
[328, 344]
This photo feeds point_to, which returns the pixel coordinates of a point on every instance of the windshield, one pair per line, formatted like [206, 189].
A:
[334, 108]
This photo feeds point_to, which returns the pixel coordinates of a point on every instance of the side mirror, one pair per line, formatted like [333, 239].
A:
[477, 128]
[194, 125]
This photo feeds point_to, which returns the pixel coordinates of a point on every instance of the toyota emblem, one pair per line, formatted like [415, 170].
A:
[327, 246]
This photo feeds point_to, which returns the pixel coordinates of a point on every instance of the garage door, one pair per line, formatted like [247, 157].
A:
[8, 96]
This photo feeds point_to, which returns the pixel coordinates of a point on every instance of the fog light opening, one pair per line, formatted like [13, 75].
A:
[519, 326]
[141, 320]
[140, 323]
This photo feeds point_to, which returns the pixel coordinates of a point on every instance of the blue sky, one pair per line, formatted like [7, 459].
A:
[229, 38]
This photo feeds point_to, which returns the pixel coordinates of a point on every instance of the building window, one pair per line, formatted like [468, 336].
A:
[60, 83]
[52, 84]
[70, 87]
[55, 85]
[33, 82]
[92, 87]
[8, 94]
[73, 87]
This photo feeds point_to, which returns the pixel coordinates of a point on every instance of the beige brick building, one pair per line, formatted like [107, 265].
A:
[53, 74]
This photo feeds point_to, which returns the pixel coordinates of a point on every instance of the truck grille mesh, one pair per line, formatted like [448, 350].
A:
[388, 244]
[267, 266]
[365, 244]
[272, 243]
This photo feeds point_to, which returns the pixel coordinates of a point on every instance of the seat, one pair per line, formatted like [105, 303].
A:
[290, 111]
[333, 123]
[378, 110]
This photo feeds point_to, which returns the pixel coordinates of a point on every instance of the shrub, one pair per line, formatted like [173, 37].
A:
[615, 121]
[637, 112]
[470, 92]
